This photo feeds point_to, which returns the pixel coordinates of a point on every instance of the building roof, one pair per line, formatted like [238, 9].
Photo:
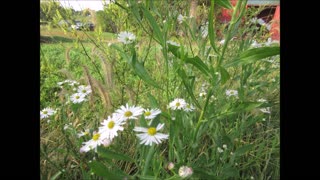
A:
[263, 2]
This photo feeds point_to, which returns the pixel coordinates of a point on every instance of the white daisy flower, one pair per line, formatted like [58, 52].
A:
[213, 98]
[110, 126]
[185, 171]
[265, 110]
[129, 112]
[84, 89]
[220, 150]
[261, 22]
[60, 83]
[254, 44]
[92, 143]
[83, 133]
[177, 104]
[270, 42]
[151, 113]
[262, 100]
[232, 93]
[189, 107]
[222, 41]
[150, 135]
[173, 43]
[126, 37]
[202, 94]
[224, 146]
[77, 98]
[46, 112]
[181, 18]
[67, 126]
[71, 82]
[253, 20]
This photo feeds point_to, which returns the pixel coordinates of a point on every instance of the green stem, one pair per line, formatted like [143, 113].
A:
[231, 27]
[202, 113]
[148, 159]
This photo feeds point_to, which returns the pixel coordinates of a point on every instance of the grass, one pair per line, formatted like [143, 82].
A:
[57, 35]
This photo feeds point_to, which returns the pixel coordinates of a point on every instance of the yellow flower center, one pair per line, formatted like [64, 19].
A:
[188, 106]
[152, 131]
[148, 113]
[111, 124]
[77, 97]
[177, 104]
[84, 91]
[86, 133]
[231, 92]
[45, 112]
[128, 114]
[96, 137]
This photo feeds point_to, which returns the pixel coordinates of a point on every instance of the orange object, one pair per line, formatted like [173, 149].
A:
[227, 13]
[275, 27]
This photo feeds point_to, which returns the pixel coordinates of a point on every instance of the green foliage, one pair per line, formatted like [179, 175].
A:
[224, 137]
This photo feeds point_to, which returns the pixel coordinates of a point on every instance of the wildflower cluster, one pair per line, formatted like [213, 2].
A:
[111, 126]
[180, 104]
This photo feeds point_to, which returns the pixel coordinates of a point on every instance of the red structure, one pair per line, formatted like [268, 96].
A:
[275, 27]
[226, 14]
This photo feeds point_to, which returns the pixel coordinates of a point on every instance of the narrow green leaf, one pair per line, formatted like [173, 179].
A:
[247, 106]
[224, 3]
[255, 54]
[259, 53]
[166, 115]
[153, 101]
[224, 75]
[101, 170]
[176, 51]
[229, 172]
[204, 174]
[242, 107]
[56, 175]
[134, 9]
[144, 75]
[154, 25]
[227, 140]
[143, 121]
[146, 177]
[122, 53]
[151, 151]
[242, 150]
[196, 61]
[210, 28]
[184, 78]
[106, 153]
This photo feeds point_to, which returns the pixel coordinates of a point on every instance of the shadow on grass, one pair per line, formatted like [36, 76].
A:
[56, 39]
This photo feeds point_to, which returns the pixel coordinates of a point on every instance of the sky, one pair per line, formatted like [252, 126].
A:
[83, 4]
